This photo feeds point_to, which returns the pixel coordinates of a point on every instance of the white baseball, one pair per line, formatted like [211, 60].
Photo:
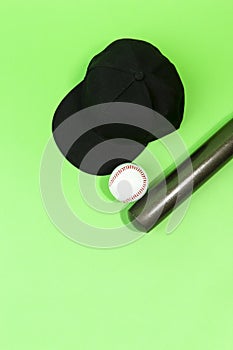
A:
[128, 182]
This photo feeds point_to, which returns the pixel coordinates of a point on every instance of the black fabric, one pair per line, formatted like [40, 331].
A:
[127, 70]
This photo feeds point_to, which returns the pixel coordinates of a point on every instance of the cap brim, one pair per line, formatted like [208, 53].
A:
[71, 104]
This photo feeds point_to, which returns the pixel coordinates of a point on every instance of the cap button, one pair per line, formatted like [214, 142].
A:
[139, 75]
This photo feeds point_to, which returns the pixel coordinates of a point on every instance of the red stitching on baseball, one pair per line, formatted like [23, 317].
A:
[126, 167]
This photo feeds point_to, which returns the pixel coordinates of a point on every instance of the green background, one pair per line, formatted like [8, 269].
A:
[165, 292]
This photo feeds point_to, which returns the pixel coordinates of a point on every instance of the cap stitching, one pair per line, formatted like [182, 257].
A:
[114, 68]
[131, 48]
[121, 92]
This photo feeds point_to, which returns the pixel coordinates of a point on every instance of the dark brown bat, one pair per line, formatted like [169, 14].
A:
[161, 199]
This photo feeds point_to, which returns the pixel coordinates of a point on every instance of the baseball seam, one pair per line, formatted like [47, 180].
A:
[127, 167]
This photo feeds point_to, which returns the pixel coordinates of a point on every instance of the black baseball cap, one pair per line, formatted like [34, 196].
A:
[127, 70]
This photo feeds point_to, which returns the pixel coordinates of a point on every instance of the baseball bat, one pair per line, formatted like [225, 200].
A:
[160, 199]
